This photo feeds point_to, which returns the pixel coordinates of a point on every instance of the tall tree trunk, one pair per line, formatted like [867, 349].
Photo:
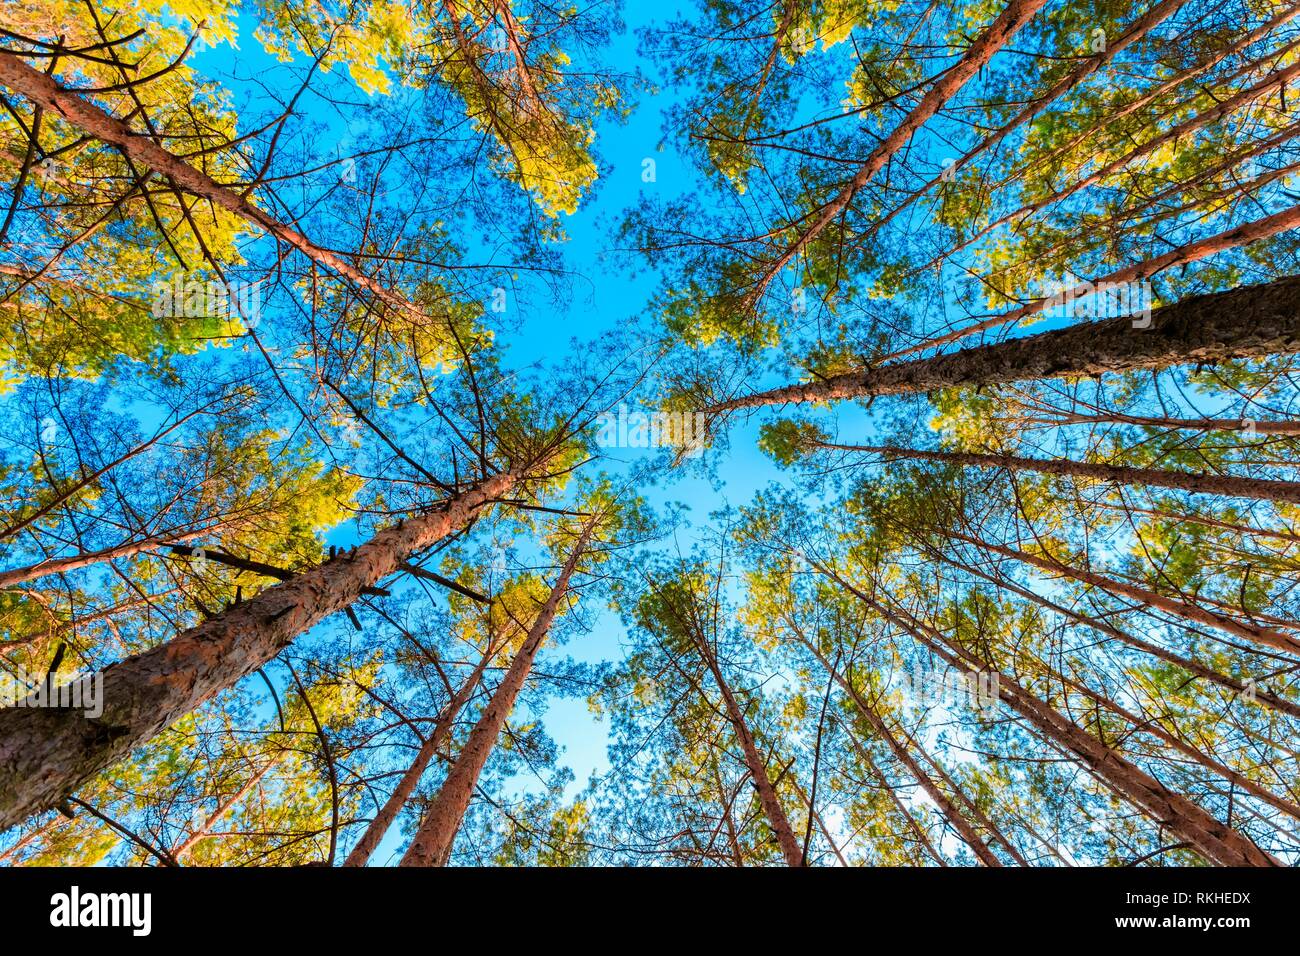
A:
[1216, 841]
[437, 832]
[767, 796]
[46, 753]
[1249, 322]
[1013, 16]
[90, 119]
[360, 854]
[1188, 612]
[1206, 521]
[881, 729]
[1263, 489]
[1243, 42]
[1189, 821]
[1280, 704]
[815, 815]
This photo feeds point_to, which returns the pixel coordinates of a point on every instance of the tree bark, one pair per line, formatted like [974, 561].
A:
[1152, 726]
[360, 854]
[433, 840]
[1189, 821]
[45, 753]
[1249, 322]
[941, 800]
[90, 119]
[906, 814]
[1263, 489]
[1188, 612]
[85, 559]
[1143, 25]
[767, 796]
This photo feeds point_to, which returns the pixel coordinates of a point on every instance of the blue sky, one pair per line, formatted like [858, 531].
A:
[605, 297]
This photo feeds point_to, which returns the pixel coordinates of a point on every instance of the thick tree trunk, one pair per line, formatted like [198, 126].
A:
[45, 753]
[1249, 322]
[90, 119]
[1231, 486]
[360, 854]
[433, 840]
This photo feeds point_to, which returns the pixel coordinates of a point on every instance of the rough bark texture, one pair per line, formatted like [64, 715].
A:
[46, 753]
[90, 119]
[360, 854]
[437, 832]
[1250, 322]
[1231, 486]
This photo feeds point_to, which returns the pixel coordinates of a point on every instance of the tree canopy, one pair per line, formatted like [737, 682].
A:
[806, 432]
